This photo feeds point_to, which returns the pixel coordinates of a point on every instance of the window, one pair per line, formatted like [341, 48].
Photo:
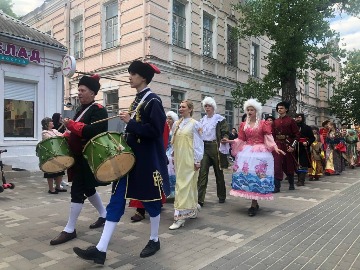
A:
[316, 88]
[78, 39]
[176, 98]
[254, 60]
[207, 35]
[112, 101]
[273, 112]
[306, 83]
[111, 97]
[75, 102]
[19, 101]
[111, 25]
[179, 24]
[229, 112]
[329, 90]
[232, 47]
[317, 121]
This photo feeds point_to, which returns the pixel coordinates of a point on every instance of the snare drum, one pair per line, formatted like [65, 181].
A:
[54, 155]
[109, 156]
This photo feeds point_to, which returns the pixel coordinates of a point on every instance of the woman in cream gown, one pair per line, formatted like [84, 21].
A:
[188, 152]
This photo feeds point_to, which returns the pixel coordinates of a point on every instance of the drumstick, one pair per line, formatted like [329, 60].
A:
[106, 119]
[60, 127]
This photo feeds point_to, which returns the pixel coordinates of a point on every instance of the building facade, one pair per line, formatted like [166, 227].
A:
[31, 87]
[191, 42]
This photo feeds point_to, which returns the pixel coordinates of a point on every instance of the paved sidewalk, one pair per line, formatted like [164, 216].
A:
[313, 227]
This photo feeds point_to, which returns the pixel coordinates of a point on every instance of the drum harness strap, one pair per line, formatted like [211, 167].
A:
[137, 107]
[132, 116]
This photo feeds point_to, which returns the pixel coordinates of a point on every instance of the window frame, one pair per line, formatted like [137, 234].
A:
[115, 26]
[255, 60]
[177, 20]
[234, 45]
[78, 53]
[317, 88]
[306, 83]
[17, 123]
[173, 105]
[229, 113]
[208, 34]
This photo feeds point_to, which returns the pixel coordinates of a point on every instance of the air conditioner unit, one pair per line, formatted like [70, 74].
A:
[112, 108]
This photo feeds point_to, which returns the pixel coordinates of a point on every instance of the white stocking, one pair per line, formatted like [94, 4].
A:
[95, 200]
[106, 235]
[75, 209]
[154, 222]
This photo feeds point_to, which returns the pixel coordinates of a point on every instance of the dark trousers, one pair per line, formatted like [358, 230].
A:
[211, 158]
[283, 164]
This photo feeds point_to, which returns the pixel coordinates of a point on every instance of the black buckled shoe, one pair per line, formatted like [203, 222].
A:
[99, 223]
[91, 254]
[221, 200]
[252, 211]
[150, 249]
[63, 237]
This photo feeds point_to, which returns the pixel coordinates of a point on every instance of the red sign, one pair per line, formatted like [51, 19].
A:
[20, 52]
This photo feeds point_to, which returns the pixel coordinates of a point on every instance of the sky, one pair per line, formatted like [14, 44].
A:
[349, 27]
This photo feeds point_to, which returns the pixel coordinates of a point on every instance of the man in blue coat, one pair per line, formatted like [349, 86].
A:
[149, 178]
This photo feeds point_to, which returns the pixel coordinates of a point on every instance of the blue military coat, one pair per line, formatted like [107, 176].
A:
[144, 133]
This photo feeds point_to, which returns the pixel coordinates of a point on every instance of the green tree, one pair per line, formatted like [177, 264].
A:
[345, 103]
[302, 39]
[6, 7]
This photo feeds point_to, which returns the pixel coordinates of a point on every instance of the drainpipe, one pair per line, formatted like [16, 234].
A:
[67, 44]
[144, 27]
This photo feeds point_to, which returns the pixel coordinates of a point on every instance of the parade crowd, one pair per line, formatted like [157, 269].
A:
[174, 154]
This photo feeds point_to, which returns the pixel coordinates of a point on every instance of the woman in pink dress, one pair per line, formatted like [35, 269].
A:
[253, 176]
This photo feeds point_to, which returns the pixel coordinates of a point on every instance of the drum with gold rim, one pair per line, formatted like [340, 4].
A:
[109, 156]
[54, 155]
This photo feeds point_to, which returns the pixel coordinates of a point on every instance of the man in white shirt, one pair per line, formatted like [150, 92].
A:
[214, 128]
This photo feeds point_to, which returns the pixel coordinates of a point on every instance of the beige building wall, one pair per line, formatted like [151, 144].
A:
[145, 32]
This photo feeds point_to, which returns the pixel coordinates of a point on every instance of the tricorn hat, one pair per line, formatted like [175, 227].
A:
[145, 70]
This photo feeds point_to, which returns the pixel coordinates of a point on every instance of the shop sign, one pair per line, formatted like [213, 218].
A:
[68, 66]
[18, 55]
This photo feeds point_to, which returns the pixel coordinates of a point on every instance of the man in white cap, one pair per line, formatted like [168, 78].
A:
[214, 128]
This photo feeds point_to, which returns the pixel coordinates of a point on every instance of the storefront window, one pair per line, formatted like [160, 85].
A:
[19, 109]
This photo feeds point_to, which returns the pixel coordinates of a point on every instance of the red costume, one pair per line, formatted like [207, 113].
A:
[323, 132]
[285, 132]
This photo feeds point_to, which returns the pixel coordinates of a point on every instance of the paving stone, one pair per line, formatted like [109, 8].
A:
[223, 237]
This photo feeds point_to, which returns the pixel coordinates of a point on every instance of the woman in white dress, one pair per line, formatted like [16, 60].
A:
[253, 176]
[188, 152]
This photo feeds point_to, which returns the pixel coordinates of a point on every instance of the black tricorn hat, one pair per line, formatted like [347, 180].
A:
[145, 70]
[92, 82]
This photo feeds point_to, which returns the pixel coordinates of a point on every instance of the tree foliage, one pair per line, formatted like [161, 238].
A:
[6, 7]
[345, 103]
[302, 38]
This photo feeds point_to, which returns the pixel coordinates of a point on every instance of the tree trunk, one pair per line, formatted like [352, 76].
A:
[288, 86]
